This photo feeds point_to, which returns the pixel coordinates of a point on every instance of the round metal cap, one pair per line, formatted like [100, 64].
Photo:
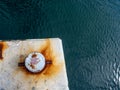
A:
[35, 62]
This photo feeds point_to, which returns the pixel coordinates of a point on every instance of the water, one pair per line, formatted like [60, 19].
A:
[90, 30]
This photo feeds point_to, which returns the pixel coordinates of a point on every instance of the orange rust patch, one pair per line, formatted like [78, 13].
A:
[50, 70]
[31, 65]
[34, 55]
[3, 46]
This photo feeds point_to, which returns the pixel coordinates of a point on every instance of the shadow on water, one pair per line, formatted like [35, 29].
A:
[27, 19]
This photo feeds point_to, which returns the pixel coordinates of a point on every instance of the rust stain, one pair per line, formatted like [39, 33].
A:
[3, 46]
[50, 70]
[34, 55]
[31, 65]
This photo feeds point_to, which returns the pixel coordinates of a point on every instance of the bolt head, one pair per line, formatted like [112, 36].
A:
[35, 62]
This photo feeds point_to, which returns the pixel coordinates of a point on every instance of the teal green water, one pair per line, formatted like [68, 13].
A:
[90, 30]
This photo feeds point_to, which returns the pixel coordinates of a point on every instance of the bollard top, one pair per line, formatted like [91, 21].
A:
[35, 62]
